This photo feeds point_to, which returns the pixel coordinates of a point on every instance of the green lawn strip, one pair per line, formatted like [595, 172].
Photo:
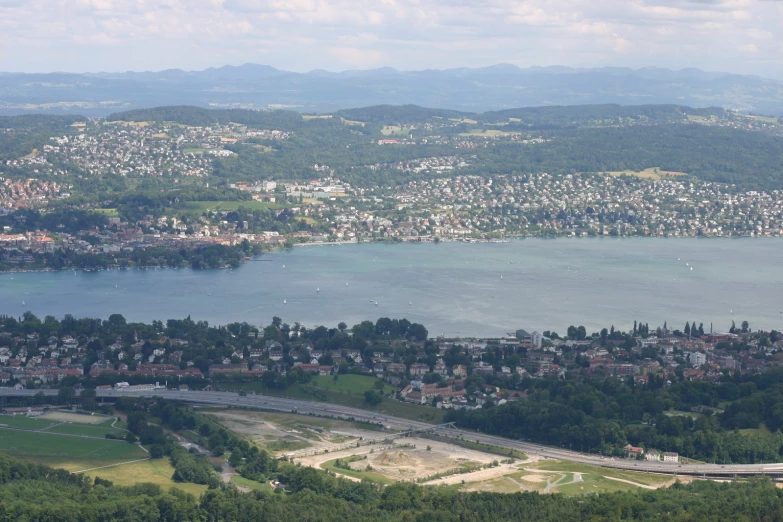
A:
[487, 448]
[361, 475]
[251, 484]
[27, 423]
[648, 479]
[202, 206]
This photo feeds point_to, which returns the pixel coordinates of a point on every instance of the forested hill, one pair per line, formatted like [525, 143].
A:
[20, 135]
[196, 116]
[575, 116]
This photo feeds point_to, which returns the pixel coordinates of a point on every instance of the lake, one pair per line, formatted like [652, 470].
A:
[484, 289]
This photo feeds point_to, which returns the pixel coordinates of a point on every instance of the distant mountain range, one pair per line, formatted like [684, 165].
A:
[476, 90]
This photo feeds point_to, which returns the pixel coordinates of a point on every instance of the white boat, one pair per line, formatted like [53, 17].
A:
[318, 289]
[283, 266]
[285, 301]
[22, 303]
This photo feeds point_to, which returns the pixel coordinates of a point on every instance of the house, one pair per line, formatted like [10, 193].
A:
[652, 455]
[671, 457]
[632, 451]
[441, 369]
[419, 369]
[460, 370]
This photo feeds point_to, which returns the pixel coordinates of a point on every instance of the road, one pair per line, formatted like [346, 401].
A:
[302, 407]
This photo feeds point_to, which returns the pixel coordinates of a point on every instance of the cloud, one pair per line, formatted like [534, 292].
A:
[80, 35]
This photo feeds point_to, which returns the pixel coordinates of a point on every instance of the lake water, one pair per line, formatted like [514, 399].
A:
[452, 288]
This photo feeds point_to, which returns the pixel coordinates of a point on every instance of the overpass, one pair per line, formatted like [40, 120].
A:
[268, 402]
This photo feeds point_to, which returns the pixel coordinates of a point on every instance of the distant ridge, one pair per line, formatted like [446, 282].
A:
[490, 88]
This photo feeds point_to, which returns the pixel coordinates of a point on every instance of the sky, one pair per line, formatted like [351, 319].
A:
[741, 36]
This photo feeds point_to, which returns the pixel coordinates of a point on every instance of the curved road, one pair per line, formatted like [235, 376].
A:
[268, 402]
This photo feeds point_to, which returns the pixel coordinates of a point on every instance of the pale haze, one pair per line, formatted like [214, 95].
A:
[740, 36]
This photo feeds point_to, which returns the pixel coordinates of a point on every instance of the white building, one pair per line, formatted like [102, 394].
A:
[671, 457]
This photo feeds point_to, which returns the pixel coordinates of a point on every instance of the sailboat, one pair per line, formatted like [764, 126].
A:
[285, 301]
[318, 289]
[22, 303]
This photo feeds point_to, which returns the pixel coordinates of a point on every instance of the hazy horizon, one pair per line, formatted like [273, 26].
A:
[735, 36]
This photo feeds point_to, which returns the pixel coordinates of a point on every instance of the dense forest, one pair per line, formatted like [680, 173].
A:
[35, 493]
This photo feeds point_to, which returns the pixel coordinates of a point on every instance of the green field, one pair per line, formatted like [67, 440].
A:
[648, 479]
[350, 384]
[72, 453]
[653, 173]
[251, 484]
[394, 130]
[158, 471]
[591, 484]
[27, 423]
[203, 206]
[361, 475]
[70, 428]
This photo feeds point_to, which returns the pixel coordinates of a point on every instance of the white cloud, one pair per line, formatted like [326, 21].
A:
[80, 35]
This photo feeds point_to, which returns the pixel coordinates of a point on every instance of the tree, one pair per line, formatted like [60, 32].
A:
[65, 395]
[687, 329]
[373, 397]
[745, 327]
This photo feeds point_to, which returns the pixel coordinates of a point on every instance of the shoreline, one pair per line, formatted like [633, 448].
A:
[473, 241]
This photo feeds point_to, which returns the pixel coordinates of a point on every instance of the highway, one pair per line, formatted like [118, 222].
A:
[302, 407]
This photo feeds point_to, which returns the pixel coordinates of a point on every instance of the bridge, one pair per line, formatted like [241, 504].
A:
[447, 431]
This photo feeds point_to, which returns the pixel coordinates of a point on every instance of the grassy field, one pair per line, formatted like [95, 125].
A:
[351, 384]
[464, 120]
[591, 483]
[70, 428]
[158, 471]
[251, 484]
[648, 479]
[394, 130]
[361, 475]
[108, 212]
[653, 173]
[203, 206]
[311, 392]
[27, 423]
[72, 453]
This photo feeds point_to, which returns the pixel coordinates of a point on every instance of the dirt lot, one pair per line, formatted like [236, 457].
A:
[402, 461]
[74, 417]
[282, 432]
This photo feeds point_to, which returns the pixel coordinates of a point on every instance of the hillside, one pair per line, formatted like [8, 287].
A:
[464, 89]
